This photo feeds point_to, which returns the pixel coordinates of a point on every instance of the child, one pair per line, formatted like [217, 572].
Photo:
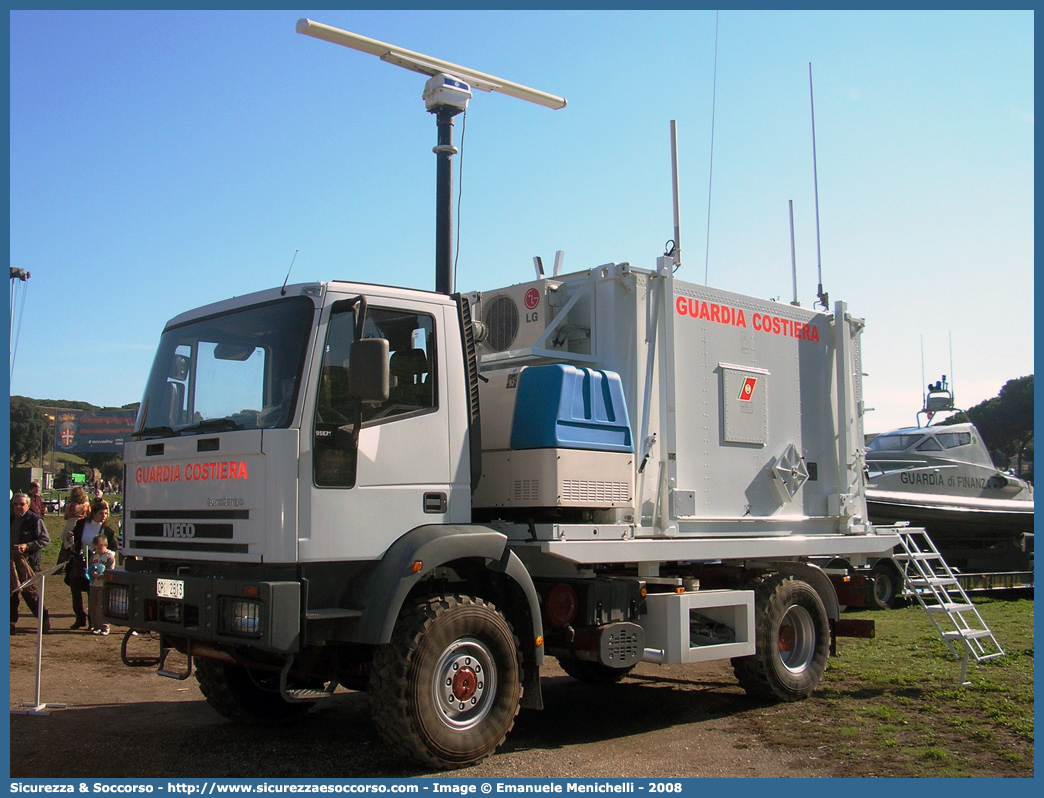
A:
[101, 560]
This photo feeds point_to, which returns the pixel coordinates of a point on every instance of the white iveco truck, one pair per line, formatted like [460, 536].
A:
[343, 484]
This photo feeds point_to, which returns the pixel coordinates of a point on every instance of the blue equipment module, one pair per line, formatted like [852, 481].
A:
[560, 406]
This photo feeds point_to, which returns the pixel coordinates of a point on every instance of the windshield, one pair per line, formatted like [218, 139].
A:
[238, 370]
[892, 443]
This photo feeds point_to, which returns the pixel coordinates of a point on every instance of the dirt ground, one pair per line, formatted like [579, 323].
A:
[660, 722]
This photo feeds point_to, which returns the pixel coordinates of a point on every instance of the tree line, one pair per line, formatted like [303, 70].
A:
[1005, 423]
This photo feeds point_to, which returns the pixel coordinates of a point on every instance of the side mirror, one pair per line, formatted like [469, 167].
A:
[179, 368]
[368, 376]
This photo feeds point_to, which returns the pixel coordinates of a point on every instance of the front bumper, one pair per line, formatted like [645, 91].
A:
[264, 615]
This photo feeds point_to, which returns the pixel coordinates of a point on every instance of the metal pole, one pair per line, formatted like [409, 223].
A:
[444, 153]
[676, 256]
[823, 298]
[39, 637]
[38, 707]
[793, 255]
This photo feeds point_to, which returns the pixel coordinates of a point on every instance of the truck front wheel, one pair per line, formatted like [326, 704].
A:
[792, 639]
[243, 695]
[445, 691]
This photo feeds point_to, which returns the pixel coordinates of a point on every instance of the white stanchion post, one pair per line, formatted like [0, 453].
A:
[37, 707]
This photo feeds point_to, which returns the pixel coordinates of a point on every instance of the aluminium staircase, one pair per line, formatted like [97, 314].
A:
[929, 578]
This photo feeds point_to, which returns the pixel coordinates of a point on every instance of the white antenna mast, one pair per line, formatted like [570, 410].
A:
[951, 363]
[710, 176]
[677, 253]
[446, 94]
[793, 256]
[824, 298]
[924, 396]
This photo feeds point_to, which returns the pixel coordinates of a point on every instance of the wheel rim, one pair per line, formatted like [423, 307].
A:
[796, 640]
[465, 683]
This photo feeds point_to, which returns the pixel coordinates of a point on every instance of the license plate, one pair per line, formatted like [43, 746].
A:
[170, 588]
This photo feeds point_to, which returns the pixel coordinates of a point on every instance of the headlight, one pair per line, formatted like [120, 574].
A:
[241, 617]
[118, 605]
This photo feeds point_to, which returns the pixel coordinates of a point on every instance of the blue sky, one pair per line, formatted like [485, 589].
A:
[163, 160]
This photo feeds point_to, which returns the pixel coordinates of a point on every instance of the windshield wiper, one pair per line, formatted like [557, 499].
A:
[211, 425]
[159, 432]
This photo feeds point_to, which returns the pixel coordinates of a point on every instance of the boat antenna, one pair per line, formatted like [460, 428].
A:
[282, 291]
[924, 396]
[446, 95]
[710, 177]
[793, 257]
[824, 298]
[951, 363]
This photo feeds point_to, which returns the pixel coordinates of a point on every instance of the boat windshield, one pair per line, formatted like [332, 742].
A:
[232, 371]
[893, 442]
[951, 440]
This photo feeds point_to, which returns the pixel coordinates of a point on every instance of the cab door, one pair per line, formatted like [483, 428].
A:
[356, 500]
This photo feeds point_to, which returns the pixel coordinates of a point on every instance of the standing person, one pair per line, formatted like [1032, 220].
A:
[84, 532]
[102, 560]
[77, 506]
[36, 503]
[28, 538]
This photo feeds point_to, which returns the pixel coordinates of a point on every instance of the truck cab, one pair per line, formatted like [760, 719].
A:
[256, 457]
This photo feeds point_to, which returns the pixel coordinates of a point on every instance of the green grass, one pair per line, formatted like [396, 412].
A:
[892, 706]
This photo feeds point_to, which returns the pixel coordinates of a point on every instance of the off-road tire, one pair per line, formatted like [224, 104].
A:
[887, 584]
[792, 641]
[452, 645]
[245, 696]
[592, 672]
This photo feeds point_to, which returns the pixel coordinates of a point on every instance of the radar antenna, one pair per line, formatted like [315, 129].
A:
[446, 95]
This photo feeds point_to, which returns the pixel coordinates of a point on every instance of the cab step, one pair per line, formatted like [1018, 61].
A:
[297, 695]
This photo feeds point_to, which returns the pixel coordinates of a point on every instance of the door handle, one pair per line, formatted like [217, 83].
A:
[435, 502]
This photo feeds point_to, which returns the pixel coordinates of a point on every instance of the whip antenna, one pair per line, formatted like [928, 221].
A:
[951, 363]
[824, 298]
[924, 396]
[282, 291]
[793, 256]
[710, 178]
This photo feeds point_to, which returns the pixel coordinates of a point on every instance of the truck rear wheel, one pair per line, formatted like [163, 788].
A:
[243, 695]
[445, 691]
[792, 638]
[887, 582]
[592, 672]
